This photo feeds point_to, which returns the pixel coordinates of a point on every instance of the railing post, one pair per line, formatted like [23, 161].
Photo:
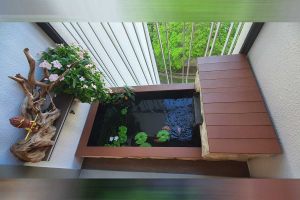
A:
[190, 49]
[162, 51]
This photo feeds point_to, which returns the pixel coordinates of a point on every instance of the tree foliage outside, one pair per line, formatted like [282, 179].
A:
[179, 38]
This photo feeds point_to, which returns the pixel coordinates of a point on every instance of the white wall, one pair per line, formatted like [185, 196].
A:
[275, 58]
[14, 37]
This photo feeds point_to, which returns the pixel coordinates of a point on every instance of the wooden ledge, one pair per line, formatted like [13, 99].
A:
[236, 124]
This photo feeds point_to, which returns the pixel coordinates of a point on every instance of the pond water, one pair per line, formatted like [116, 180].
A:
[151, 113]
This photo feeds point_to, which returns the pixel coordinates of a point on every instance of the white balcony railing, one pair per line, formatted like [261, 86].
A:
[151, 53]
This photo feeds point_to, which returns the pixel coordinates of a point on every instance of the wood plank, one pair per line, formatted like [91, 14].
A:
[185, 153]
[236, 107]
[201, 167]
[229, 89]
[238, 73]
[244, 146]
[234, 82]
[225, 58]
[219, 132]
[231, 97]
[237, 119]
[223, 66]
[155, 88]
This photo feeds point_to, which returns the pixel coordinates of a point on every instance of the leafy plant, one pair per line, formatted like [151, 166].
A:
[124, 111]
[163, 135]
[122, 134]
[141, 138]
[122, 129]
[83, 81]
[145, 144]
[122, 97]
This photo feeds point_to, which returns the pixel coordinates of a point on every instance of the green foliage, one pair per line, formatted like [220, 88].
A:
[124, 111]
[179, 37]
[122, 129]
[141, 138]
[122, 134]
[123, 98]
[83, 81]
[145, 144]
[163, 136]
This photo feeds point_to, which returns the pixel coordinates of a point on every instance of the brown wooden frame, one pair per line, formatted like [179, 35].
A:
[186, 153]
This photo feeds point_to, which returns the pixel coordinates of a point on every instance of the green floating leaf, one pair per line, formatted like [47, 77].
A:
[141, 137]
[124, 111]
[146, 144]
[122, 129]
[163, 136]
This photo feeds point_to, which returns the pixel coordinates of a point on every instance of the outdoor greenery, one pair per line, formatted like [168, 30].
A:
[82, 80]
[179, 37]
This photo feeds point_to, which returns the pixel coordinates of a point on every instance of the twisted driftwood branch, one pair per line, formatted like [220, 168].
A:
[37, 123]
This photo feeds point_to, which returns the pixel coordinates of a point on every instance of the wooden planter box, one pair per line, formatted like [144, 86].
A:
[186, 153]
[236, 123]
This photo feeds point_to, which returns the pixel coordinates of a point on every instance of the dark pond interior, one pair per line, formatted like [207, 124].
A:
[151, 111]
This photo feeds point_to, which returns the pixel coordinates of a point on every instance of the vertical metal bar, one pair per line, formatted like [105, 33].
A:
[98, 56]
[149, 49]
[107, 54]
[227, 38]
[183, 52]
[162, 51]
[138, 39]
[190, 49]
[169, 56]
[209, 37]
[128, 68]
[215, 37]
[122, 51]
[112, 81]
[234, 38]
[135, 52]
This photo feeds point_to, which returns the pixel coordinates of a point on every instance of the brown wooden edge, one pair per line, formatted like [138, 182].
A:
[188, 153]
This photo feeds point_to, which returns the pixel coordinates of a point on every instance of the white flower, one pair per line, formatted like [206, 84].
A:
[53, 77]
[111, 139]
[110, 91]
[80, 53]
[116, 138]
[68, 66]
[56, 64]
[45, 64]
[82, 79]
[94, 86]
[93, 71]
[85, 86]
[89, 65]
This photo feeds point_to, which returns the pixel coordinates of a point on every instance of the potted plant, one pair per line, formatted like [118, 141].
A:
[83, 81]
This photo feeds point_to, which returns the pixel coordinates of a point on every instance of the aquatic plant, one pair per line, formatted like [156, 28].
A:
[146, 144]
[122, 134]
[122, 130]
[124, 111]
[163, 135]
[120, 139]
[122, 97]
[141, 138]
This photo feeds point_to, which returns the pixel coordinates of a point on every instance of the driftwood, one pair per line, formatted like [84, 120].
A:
[38, 122]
